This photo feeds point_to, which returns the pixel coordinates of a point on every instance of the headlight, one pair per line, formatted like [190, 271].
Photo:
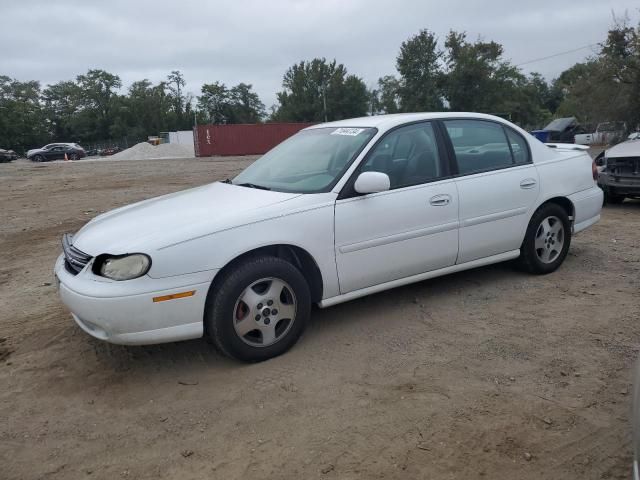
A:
[125, 267]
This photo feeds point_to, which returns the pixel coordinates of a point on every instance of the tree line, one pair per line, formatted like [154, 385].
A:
[456, 74]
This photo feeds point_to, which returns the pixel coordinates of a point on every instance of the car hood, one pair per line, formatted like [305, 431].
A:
[177, 217]
[630, 148]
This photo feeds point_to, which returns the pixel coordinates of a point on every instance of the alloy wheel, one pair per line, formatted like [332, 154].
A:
[264, 312]
[549, 239]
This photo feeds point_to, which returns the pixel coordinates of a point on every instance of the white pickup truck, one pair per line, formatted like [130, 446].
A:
[605, 134]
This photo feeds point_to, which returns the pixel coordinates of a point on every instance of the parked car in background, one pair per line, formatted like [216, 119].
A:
[619, 171]
[51, 145]
[338, 211]
[7, 155]
[57, 151]
[560, 130]
[109, 151]
[606, 133]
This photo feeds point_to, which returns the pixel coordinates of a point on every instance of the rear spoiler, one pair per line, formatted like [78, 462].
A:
[567, 146]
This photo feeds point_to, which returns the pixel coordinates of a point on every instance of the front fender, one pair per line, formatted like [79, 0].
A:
[310, 229]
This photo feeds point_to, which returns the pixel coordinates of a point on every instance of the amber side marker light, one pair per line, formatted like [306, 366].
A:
[173, 296]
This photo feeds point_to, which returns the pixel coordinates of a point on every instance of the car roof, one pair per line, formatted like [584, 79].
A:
[385, 122]
[539, 151]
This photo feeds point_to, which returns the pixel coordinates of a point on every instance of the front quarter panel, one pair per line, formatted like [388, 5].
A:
[307, 223]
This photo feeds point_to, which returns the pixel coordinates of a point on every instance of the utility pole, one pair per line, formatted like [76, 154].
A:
[324, 99]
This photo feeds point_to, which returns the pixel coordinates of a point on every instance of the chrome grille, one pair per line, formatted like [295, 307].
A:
[74, 260]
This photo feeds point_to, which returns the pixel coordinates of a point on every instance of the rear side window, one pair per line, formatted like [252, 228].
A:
[519, 147]
[480, 146]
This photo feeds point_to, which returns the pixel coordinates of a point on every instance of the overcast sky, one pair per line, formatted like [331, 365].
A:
[255, 41]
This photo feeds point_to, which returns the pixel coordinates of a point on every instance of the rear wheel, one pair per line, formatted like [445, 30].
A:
[258, 309]
[547, 240]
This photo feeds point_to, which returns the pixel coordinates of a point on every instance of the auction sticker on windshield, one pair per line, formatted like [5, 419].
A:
[351, 132]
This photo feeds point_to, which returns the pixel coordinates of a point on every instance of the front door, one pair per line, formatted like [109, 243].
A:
[55, 153]
[408, 230]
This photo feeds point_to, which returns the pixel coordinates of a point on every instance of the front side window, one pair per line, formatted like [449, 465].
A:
[309, 162]
[408, 155]
[479, 146]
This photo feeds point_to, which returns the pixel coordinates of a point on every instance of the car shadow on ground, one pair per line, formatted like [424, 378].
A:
[327, 324]
[629, 203]
[324, 326]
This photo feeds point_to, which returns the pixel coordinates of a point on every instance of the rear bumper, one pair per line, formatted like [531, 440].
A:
[125, 312]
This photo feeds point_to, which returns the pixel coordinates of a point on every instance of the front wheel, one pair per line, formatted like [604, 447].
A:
[38, 158]
[547, 240]
[258, 309]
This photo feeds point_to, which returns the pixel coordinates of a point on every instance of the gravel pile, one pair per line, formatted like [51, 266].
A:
[146, 151]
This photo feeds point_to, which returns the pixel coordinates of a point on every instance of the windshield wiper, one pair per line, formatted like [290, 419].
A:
[252, 185]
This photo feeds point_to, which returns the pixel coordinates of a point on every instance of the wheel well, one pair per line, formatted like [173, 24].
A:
[565, 203]
[292, 254]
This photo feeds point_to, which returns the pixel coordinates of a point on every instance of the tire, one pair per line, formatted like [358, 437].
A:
[547, 240]
[613, 198]
[38, 158]
[73, 156]
[238, 301]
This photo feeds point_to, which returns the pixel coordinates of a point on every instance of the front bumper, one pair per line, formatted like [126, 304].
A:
[125, 313]
[619, 185]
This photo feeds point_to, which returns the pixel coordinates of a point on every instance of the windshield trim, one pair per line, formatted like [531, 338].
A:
[339, 175]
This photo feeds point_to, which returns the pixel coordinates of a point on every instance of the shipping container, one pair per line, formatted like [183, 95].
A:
[242, 139]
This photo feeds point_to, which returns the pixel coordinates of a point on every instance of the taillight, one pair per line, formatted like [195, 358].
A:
[594, 171]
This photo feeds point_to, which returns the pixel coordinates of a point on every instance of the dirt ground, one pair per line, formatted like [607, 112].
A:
[489, 373]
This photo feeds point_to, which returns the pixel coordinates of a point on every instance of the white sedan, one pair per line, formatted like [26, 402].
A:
[338, 211]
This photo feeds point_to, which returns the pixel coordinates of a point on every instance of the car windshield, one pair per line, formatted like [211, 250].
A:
[311, 161]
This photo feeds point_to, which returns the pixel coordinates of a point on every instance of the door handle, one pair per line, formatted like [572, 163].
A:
[440, 200]
[528, 183]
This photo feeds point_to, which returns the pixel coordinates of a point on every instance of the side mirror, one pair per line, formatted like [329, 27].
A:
[372, 182]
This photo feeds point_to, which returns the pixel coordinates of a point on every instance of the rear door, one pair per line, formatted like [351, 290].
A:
[497, 185]
[411, 228]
